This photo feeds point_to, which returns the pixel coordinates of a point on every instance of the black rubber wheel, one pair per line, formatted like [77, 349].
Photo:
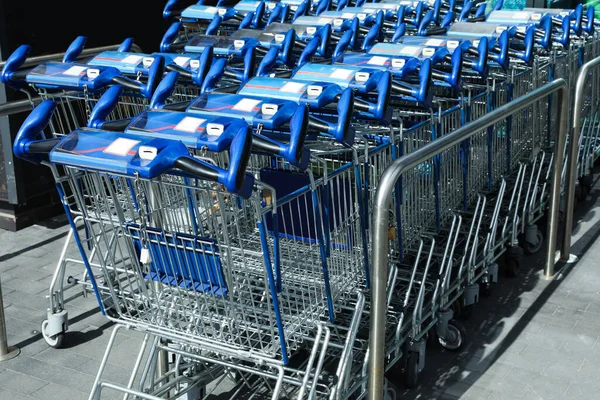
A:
[456, 336]
[512, 267]
[411, 370]
[531, 249]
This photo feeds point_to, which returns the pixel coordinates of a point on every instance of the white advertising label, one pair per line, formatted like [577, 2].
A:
[75, 70]
[293, 87]
[377, 60]
[246, 105]
[410, 51]
[211, 10]
[181, 61]
[121, 146]
[132, 59]
[521, 15]
[348, 15]
[434, 42]
[340, 73]
[189, 124]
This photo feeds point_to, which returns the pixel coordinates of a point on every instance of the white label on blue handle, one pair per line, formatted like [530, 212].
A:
[214, 130]
[377, 60]
[348, 15]
[293, 87]
[410, 50]
[536, 16]
[147, 152]
[341, 73]
[434, 42]
[132, 59]
[428, 51]
[189, 124]
[311, 30]
[324, 20]
[121, 147]
[75, 70]
[211, 10]
[181, 61]
[521, 15]
[338, 22]
[246, 105]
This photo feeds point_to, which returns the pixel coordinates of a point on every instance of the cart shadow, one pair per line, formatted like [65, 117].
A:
[499, 320]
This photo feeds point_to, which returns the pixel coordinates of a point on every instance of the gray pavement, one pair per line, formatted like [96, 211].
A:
[531, 339]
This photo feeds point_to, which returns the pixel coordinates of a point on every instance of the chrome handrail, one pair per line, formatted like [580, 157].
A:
[383, 200]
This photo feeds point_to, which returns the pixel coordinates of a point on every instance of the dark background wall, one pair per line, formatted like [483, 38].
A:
[27, 192]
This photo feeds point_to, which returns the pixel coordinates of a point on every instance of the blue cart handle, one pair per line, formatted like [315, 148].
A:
[11, 75]
[399, 33]
[589, 20]
[341, 131]
[74, 49]
[126, 46]
[302, 9]
[169, 37]
[26, 146]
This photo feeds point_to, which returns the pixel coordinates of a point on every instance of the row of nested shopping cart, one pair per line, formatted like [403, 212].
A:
[220, 191]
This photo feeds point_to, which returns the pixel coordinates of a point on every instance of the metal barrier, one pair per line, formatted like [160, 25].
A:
[389, 179]
[571, 176]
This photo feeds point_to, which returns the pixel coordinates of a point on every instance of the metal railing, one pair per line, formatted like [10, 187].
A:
[571, 177]
[392, 174]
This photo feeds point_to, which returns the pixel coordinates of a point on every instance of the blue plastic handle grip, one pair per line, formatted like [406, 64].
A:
[503, 42]
[14, 62]
[529, 41]
[214, 75]
[249, 65]
[480, 12]
[578, 19]
[301, 10]
[169, 37]
[419, 13]
[466, 10]
[546, 26]
[324, 33]
[155, 74]
[235, 179]
[275, 14]
[427, 19]
[323, 5]
[341, 4]
[422, 93]
[401, 13]
[104, 106]
[371, 37]
[163, 90]
[205, 60]
[448, 19]
[34, 124]
[258, 15]
[287, 47]
[74, 49]
[342, 45]
[437, 7]
[268, 63]
[360, 3]
[285, 13]
[343, 131]
[457, 64]
[566, 32]
[481, 65]
[247, 22]
[589, 26]
[498, 5]
[354, 27]
[126, 45]
[379, 20]
[309, 51]
[384, 91]
[169, 8]
[399, 33]
[213, 27]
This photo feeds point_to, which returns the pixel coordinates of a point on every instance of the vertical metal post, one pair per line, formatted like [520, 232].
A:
[6, 353]
[554, 207]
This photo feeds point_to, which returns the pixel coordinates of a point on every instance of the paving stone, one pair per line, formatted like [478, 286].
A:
[27, 286]
[20, 383]
[546, 387]
[61, 375]
[56, 392]
[64, 357]
[9, 395]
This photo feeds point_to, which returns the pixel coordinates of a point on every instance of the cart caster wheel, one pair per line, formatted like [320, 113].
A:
[485, 288]
[411, 370]
[55, 341]
[456, 336]
[390, 394]
[531, 249]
